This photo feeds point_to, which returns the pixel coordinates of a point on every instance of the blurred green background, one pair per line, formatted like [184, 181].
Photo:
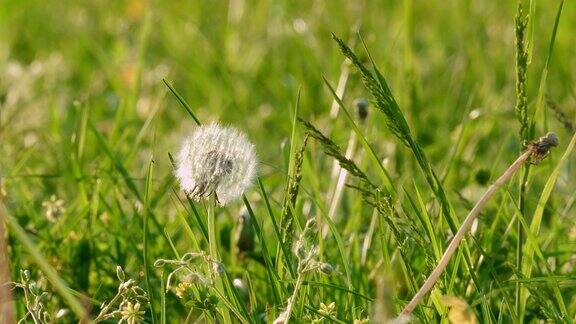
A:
[237, 60]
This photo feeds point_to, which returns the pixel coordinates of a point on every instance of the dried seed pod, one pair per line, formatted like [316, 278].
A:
[120, 273]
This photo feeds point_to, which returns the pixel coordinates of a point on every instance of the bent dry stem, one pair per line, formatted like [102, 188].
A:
[431, 280]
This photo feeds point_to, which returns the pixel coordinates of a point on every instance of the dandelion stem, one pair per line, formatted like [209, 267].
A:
[219, 284]
[212, 228]
[433, 277]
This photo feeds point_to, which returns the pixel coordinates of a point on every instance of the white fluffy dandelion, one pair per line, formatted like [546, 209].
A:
[216, 159]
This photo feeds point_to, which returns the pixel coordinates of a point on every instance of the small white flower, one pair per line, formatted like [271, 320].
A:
[216, 159]
[131, 313]
[54, 208]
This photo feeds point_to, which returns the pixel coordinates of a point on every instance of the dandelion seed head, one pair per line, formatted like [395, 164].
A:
[216, 159]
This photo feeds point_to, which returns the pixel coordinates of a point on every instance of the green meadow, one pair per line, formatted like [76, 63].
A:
[377, 127]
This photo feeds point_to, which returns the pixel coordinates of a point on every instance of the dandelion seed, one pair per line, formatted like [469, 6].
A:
[216, 159]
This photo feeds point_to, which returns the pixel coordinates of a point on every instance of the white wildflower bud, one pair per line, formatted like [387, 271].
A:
[34, 289]
[186, 258]
[216, 159]
[218, 267]
[159, 263]
[299, 249]
[25, 275]
[240, 285]
[326, 268]
[126, 285]
[63, 311]
[310, 224]
[120, 273]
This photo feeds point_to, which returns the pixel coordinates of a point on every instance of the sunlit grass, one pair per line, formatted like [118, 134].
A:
[349, 214]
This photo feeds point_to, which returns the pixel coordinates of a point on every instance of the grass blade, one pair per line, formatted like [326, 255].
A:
[51, 274]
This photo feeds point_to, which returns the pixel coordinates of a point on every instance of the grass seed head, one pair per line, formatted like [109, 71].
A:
[216, 159]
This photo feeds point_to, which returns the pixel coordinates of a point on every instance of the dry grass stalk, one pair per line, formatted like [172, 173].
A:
[535, 152]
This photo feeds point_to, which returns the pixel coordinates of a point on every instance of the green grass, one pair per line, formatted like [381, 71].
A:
[96, 97]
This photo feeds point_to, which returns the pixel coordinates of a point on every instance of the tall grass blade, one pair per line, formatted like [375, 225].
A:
[59, 285]
[145, 234]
